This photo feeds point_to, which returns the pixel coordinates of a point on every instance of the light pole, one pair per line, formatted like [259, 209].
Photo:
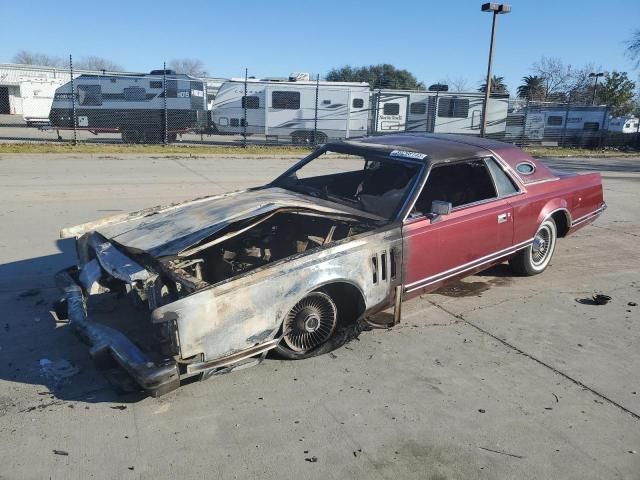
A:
[496, 9]
[595, 85]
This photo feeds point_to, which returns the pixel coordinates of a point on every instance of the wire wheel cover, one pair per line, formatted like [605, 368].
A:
[310, 322]
[542, 245]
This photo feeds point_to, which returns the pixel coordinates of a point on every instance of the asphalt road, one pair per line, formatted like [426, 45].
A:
[494, 377]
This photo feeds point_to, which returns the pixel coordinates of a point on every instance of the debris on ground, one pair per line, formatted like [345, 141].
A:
[61, 452]
[601, 299]
[32, 292]
[119, 407]
[311, 459]
[58, 371]
[632, 304]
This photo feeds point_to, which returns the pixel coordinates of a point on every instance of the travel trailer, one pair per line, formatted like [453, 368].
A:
[288, 107]
[132, 105]
[436, 112]
[624, 125]
[37, 97]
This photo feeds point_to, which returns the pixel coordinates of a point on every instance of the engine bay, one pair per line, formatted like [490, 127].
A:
[258, 242]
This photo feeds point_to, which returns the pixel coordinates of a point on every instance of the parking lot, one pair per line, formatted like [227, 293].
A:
[495, 376]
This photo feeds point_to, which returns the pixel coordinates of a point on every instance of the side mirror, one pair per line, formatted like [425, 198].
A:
[438, 207]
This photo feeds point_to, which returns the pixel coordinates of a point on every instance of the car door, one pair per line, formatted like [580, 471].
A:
[478, 229]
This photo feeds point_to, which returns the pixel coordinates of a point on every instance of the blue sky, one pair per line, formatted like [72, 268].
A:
[432, 39]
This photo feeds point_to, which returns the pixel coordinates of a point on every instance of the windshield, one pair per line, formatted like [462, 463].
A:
[371, 181]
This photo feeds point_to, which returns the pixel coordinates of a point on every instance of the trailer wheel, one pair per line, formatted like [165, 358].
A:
[306, 138]
[131, 136]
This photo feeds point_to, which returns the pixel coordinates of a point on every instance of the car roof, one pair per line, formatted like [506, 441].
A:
[437, 147]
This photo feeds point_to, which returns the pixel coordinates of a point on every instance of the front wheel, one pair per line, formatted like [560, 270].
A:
[536, 257]
[308, 326]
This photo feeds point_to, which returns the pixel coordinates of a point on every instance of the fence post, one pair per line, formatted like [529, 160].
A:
[73, 103]
[566, 117]
[524, 122]
[244, 110]
[166, 120]
[377, 112]
[604, 132]
[315, 115]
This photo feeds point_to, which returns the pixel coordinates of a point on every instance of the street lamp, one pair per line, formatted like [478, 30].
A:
[595, 84]
[496, 9]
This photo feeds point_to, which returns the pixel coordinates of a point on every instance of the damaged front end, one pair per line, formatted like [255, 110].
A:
[189, 318]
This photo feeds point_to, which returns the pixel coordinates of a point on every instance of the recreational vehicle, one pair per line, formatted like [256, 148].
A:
[37, 97]
[436, 112]
[578, 125]
[300, 109]
[133, 105]
[624, 125]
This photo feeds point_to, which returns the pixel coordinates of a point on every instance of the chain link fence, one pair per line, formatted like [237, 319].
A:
[165, 107]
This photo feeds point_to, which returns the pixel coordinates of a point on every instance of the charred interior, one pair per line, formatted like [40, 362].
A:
[259, 242]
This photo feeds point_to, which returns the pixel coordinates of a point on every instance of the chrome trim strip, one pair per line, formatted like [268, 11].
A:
[452, 272]
[588, 216]
[554, 179]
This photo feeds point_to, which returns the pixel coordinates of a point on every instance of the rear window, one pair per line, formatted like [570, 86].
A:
[391, 109]
[250, 102]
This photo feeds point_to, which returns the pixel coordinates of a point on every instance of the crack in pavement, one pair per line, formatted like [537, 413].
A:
[541, 362]
[616, 231]
[201, 175]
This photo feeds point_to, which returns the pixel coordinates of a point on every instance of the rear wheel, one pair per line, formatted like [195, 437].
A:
[131, 136]
[308, 326]
[536, 257]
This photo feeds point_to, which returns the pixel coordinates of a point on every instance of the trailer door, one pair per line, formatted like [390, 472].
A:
[391, 112]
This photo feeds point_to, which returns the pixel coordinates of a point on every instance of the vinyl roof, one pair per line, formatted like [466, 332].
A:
[437, 147]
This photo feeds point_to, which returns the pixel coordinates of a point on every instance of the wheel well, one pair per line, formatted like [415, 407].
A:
[562, 222]
[348, 298]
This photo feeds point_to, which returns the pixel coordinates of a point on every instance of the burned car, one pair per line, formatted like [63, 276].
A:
[354, 228]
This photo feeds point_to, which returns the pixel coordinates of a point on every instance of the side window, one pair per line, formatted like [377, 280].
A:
[503, 183]
[90, 95]
[250, 102]
[591, 126]
[155, 84]
[554, 120]
[391, 109]
[285, 100]
[460, 183]
[134, 94]
[418, 108]
[453, 107]
[358, 103]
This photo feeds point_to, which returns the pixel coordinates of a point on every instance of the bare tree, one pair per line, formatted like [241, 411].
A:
[457, 84]
[26, 57]
[556, 76]
[190, 66]
[97, 63]
[633, 48]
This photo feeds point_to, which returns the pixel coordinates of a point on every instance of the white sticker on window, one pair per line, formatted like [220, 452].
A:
[83, 121]
[406, 154]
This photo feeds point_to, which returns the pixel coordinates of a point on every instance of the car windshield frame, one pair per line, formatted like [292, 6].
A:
[367, 154]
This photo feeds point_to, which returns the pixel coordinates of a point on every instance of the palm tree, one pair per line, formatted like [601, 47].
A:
[497, 85]
[532, 88]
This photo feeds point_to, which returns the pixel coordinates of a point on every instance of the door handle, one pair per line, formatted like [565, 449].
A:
[503, 217]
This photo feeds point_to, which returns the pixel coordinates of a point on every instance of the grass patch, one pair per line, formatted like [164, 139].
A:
[253, 150]
[187, 150]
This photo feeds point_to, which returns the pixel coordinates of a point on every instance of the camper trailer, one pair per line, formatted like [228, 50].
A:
[288, 107]
[624, 125]
[133, 105]
[436, 112]
[37, 97]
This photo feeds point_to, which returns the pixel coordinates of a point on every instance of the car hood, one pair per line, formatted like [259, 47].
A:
[163, 231]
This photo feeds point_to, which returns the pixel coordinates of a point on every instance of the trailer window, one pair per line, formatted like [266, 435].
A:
[250, 102]
[155, 84]
[135, 94]
[90, 95]
[285, 100]
[453, 107]
[358, 103]
[172, 88]
[554, 120]
[234, 122]
[418, 108]
[591, 126]
[391, 109]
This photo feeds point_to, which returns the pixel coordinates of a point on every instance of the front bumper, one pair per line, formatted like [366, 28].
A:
[105, 341]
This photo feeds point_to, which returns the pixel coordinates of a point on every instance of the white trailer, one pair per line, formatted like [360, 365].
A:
[37, 97]
[628, 124]
[437, 112]
[288, 108]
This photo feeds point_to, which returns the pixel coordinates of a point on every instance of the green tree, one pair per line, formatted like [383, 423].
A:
[617, 91]
[378, 76]
[497, 85]
[532, 88]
